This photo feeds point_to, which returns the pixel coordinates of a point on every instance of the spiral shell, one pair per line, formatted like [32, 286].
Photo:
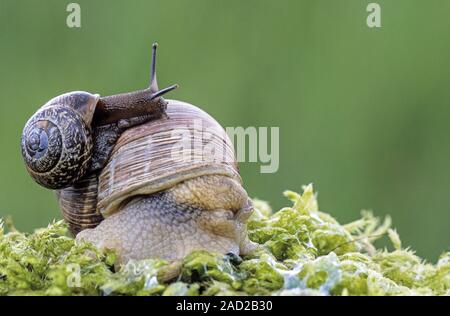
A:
[56, 141]
[78, 204]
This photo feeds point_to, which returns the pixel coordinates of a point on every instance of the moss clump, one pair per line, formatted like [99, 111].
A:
[302, 252]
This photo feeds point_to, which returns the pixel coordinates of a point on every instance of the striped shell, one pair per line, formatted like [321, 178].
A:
[78, 204]
[159, 154]
[56, 141]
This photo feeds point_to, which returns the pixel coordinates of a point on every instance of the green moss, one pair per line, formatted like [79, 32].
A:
[302, 252]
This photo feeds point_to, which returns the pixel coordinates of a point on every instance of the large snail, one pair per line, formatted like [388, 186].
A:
[152, 197]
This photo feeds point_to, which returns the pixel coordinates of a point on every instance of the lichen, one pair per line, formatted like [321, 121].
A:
[302, 251]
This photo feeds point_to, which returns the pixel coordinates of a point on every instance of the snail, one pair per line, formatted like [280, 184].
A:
[146, 194]
[73, 134]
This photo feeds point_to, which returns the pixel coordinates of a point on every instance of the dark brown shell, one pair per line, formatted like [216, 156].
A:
[56, 141]
[155, 156]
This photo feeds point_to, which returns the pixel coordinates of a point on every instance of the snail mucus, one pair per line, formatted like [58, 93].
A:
[118, 184]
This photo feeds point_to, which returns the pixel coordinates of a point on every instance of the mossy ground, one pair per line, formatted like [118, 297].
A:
[303, 252]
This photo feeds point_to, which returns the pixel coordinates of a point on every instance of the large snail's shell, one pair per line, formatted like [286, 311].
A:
[156, 156]
[78, 204]
[56, 141]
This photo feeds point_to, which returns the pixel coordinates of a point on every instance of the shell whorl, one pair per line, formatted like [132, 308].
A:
[78, 204]
[152, 157]
[57, 140]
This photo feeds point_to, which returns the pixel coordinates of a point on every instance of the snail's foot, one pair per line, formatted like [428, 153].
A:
[165, 225]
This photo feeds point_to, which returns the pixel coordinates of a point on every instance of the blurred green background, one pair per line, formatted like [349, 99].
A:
[363, 113]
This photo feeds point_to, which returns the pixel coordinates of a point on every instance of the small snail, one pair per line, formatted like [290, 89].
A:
[145, 196]
[74, 133]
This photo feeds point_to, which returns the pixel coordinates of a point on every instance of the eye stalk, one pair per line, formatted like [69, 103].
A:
[144, 102]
